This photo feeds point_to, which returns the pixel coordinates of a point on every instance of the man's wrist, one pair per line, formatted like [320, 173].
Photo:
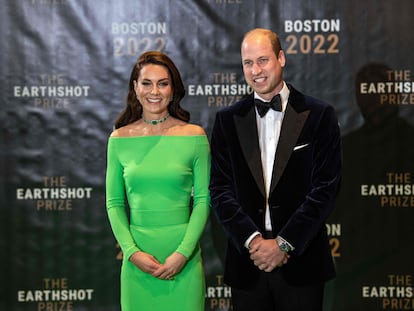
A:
[251, 238]
[284, 245]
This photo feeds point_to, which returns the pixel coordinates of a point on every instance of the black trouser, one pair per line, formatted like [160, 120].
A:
[272, 293]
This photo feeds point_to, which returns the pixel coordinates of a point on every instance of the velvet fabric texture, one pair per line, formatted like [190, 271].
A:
[305, 179]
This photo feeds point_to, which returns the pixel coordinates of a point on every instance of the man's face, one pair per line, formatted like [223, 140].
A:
[262, 69]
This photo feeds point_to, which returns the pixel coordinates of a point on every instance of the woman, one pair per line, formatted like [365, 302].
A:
[157, 161]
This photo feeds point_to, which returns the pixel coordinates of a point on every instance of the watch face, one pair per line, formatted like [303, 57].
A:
[284, 247]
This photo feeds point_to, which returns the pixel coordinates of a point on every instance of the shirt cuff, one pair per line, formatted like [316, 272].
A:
[255, 234]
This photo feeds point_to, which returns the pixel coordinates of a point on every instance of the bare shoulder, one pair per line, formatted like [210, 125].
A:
[116, 133]
[127, 130]
[192, 130]
[120, 132]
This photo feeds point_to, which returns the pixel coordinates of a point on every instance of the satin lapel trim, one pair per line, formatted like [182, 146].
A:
[248, 137]
[291, 128]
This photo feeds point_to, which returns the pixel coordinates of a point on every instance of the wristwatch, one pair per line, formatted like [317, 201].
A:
[283, 245]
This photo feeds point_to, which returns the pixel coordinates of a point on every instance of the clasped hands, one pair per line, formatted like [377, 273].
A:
[266, 254]
[165, 271]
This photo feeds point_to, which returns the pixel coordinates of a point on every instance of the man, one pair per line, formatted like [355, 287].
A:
[274, 178]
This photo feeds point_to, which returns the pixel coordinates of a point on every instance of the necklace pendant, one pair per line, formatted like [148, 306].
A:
[155, 122]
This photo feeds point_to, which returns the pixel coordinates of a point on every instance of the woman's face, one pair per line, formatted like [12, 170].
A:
[154, 90]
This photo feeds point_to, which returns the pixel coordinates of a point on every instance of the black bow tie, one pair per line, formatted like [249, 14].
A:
[263, 107]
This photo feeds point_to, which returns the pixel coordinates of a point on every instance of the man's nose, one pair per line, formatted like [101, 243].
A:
[256, 69]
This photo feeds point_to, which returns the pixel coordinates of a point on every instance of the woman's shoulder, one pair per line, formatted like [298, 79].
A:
[177, 128]
[182, 128]
[132, 129]
[120, 132]
[193, 130]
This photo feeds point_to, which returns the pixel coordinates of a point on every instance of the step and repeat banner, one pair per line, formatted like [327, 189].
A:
[64, 70]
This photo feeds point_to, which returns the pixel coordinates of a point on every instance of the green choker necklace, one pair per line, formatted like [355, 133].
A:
[155, 122]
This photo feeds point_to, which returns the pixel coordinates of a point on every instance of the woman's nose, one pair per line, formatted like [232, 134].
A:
[155, 90]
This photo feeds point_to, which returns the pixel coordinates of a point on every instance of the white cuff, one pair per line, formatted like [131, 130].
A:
[247, 243]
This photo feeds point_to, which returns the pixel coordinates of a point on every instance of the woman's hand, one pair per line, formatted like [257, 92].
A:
[173, 265]
[145, 262]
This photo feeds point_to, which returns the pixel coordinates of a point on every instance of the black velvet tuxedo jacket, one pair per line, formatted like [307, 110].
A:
[304, 184]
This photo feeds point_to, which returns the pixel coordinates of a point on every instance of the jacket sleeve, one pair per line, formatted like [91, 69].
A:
[236, 223]
[324, 178]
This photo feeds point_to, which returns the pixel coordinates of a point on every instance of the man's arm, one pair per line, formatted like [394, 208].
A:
[326, 164]
[236, 223]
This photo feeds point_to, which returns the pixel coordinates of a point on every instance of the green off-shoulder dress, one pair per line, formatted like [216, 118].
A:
[156, 176]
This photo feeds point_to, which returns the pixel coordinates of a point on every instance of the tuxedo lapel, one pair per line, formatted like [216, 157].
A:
[246, 129]
[291, 128]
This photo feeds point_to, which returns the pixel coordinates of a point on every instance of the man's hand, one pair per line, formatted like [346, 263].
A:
[266, 254]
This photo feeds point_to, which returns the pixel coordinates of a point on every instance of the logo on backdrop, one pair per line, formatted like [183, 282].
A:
[397, 190]
[55, 295]
[54, 194]
[395, 294]
[135, 38]
[396, 88]
[51, 91]
[224, 90]
[381, 150]
[334, 233]
[218, 297]
[312, 36]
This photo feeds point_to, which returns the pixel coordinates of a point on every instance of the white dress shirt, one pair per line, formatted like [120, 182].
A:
[269, 131]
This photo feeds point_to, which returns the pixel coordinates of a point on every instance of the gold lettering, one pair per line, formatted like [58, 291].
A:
[54, 205]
